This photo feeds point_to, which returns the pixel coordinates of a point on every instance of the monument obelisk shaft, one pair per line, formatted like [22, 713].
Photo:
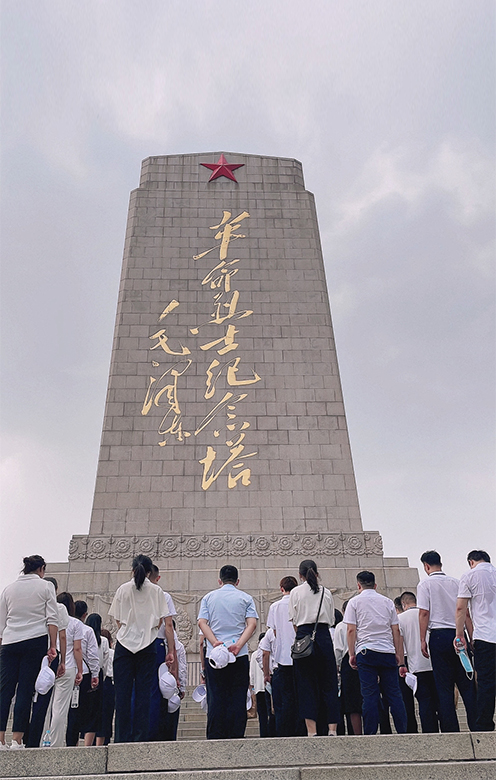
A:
[225, 436]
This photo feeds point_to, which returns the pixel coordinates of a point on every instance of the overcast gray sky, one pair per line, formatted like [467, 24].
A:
[390, 108]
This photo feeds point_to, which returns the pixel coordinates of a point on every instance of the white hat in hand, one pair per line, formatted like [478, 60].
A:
[46, 678]
[220, 656]
[174, 703]
[166, 682]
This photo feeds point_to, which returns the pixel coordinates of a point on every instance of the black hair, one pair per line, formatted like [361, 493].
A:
[174, 624]
[408, 597]
[398, 604]
[142, 566]
[308, 569]
[228, 574]
[338, 616]
[81, 608]
[95, 622]
[366, 579]
[155, 570]
[262, 633]
[106, 633]
[68, 602]
[431, 557]
[53, 581]
[33, 563]
[288, 583]
[479, 555]
[344, 605]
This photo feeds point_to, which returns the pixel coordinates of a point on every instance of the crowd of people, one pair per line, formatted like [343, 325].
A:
[316, 671]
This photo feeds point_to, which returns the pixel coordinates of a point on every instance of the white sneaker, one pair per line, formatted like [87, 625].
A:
[16, 746]
[3, 746]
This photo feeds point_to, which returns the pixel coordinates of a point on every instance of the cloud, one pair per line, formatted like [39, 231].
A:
[465, 174]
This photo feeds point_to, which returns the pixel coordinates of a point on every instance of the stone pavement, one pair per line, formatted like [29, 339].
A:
[426, 756]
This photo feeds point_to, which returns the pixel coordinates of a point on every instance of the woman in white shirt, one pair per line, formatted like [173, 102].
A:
[28, 613]
[316, 677]
[138, 608]
[58, 712]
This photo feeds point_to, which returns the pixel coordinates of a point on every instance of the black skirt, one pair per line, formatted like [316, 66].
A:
[316, 676]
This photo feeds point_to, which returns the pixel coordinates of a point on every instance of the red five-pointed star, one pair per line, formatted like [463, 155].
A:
[221, 168]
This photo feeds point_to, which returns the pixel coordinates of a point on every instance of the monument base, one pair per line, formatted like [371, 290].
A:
[190, 566]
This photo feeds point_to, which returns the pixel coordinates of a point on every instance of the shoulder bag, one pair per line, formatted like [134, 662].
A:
[303, 647]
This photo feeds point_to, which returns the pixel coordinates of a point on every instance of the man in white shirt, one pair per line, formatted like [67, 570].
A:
[478, 586]
[375, 649]
[282, 680]
[436, 599]
[91, 670]
[421, 667]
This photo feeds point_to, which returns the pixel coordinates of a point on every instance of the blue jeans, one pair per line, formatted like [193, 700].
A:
[227, 689]
[448, 671]
[373, 666]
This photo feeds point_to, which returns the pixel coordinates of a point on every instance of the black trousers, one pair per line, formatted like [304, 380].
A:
[227, 689]
[485, 666]
[77, 716]
[19, 666]
[426, 695]
[34, 732]
[285, 702]
[133, 670]
[448, 671]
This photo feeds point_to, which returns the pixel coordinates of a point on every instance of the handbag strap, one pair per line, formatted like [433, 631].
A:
[318, 613]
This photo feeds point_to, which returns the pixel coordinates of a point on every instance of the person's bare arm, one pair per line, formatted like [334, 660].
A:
[424, 625]
[266, 665]
[460, 617]
[63, 648]
[52, 633]
[78, 657]
[399, 649]
[171, 658]
[251, 627]
[208, 633]
[351, 639]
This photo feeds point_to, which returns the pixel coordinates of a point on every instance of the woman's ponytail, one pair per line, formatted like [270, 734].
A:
[308, 569]
[142, 566]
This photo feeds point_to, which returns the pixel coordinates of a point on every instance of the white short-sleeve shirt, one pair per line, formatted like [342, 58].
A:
[303, 606]
[479, 585]
[278, 619]
[139, 613]
[410, 631]
[438, 594]
[373, 615]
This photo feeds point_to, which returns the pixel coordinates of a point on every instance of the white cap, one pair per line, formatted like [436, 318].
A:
[174, 703]
[199, 693]
[248, 700]
[411, 681]
[220, 656]
[204, 704]
[166, 682]
[46, 678]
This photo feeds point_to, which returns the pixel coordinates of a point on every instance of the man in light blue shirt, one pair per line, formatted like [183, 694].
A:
[227, 616]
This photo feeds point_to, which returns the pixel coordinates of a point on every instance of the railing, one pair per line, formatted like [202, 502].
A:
[194, 669]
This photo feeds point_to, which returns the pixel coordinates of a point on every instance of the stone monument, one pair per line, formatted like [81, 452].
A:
[225, 436]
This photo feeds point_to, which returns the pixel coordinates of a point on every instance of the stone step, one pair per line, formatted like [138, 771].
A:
[426, 756]
[464, 770]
